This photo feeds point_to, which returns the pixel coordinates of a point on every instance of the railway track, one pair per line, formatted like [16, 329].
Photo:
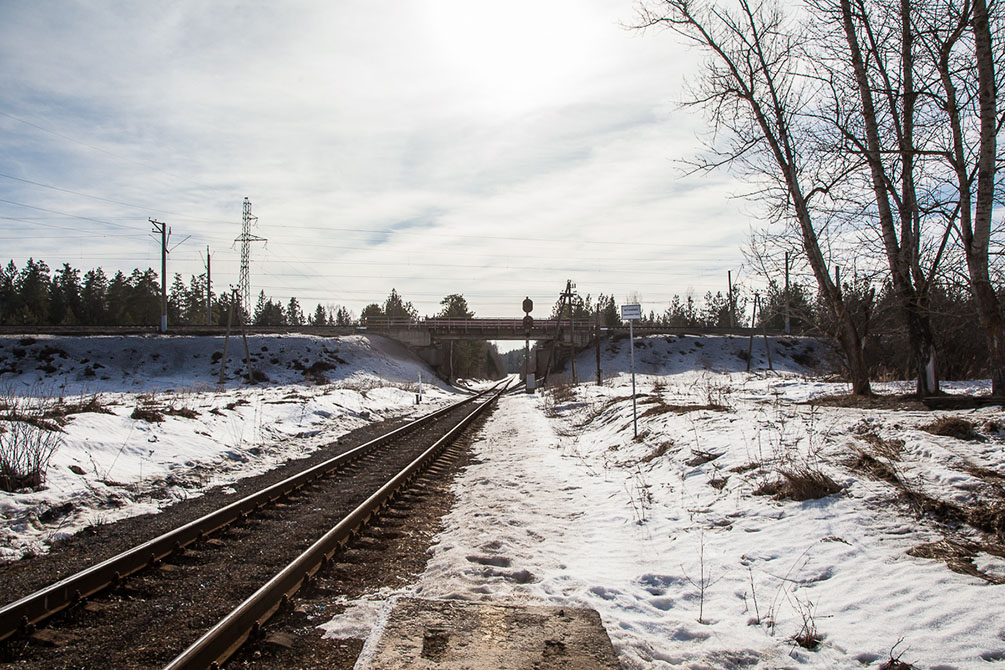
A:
[191, 597]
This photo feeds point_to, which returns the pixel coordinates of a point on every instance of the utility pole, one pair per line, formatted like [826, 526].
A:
[566, 299]
[597, 334]
[209, 289]
[165, 232]
[246, 238]
[572, 331]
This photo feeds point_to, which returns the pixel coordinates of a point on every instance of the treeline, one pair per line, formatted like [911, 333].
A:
[36, 296]
[956, 325]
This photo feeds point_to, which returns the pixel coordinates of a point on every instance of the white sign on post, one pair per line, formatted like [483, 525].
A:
[631, 313]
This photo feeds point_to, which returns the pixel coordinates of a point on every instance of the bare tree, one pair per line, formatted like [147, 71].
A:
[754, 94]
[964, 41]
[865, 57]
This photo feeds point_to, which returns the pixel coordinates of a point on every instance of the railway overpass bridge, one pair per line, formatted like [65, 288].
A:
[426, 332]
[432, 338]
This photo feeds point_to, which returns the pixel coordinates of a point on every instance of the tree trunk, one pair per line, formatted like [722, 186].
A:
[976, 241]
[854, 353]
[902, 254]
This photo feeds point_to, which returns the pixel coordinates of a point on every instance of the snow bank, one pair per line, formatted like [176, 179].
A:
[159, 429]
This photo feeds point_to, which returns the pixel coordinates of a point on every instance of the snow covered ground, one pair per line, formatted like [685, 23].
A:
[664, 534]
[154, 427]
[688, 567]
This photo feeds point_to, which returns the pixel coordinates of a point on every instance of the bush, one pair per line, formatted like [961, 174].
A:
[25, 450]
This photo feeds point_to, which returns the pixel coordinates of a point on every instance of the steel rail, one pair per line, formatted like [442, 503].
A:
[221, 641]
[21, 615]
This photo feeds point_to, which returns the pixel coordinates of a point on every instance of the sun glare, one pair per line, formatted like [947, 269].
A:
[512, 56]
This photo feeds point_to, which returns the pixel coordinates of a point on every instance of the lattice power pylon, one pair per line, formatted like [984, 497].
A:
[246, 238]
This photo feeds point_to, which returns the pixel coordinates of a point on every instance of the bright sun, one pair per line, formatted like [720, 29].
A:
[513, 55]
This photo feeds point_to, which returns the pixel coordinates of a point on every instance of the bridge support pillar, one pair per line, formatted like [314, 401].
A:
[430, 355]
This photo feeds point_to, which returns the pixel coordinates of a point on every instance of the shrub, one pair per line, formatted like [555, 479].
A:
[147, 413]
[25, 451]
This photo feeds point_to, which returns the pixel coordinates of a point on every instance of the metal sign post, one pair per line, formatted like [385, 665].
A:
[528, 324]
[631, 313]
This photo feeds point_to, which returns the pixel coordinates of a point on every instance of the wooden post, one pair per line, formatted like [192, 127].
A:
[753, 321]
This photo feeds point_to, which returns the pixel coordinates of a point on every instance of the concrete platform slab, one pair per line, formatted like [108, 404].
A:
[454, 635]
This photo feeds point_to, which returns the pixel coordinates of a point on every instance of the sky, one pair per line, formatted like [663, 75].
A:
[436, 147]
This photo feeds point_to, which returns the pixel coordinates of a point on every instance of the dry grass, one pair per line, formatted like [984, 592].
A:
[184, 412]
[893, 402]
[660, 451]
[147, 413]
[896, 664]
[718, 483]
[802, 483]
[661, 407]
[887, 448]
[701, 457]
[953, 426]
[959, 556]
[865, 462]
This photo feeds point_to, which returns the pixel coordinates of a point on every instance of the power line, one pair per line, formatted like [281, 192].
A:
[72, 216]
[109, 200]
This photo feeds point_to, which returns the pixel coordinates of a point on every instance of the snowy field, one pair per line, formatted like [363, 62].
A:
[147, 424]
[688, 567]
[687, 539]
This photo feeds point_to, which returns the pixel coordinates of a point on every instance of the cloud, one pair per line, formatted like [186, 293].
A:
[453, 147]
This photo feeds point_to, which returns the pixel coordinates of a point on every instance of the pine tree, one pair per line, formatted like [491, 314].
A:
[372, 314]
[9, 297]
[343, 317]
[118, 300]
[178, 304]
[294, 315]
[94, 298]
[396, 309]
[320, 317]
[33, 286]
